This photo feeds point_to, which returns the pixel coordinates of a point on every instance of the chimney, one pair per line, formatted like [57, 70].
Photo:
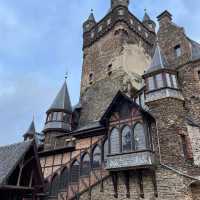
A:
[164, 18]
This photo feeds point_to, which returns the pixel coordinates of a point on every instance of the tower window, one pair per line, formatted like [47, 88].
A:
[121, 12]
[100, 28]
[159, 81]
[131, 21]
[108, 21]
[92, 34]
[91, 77]
[199, 74]
[151, 83]
[109, 69]
[177, 50]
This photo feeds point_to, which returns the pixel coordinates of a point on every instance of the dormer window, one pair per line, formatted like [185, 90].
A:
[139, 28]
[177, 50]
[131, 21]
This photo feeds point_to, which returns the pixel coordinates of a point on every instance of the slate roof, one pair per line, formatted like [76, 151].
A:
[62, 100]
[91, 17]
[146, 17]
[195, 49]
[158, 61]
[10, 156]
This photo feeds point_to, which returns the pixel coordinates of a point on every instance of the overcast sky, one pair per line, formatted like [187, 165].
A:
[42, 39]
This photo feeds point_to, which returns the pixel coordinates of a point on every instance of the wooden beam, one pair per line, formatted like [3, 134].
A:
[114, 176]
[127, 183]
[31, 178]
[20, 173]
[155, 183]
[140, 180]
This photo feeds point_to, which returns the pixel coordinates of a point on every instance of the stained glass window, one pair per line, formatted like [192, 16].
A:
[139, 137]
[85, 165]
[114, 141]
[126, 139]
[96, 157]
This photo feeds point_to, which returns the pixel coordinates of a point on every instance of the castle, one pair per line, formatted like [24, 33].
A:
[134, 134]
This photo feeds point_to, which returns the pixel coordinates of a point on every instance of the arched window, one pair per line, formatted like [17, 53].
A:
[54, 186]
[114, 141]
[64, 178]
[85, 165]
[75, 170]
[126, 139]
[105, 150]
[139, 137]
[96, 158]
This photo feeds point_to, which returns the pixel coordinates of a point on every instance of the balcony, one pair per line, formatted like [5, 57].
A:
[130, 160]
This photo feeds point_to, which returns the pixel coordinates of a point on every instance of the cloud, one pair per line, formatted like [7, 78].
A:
[40, 40]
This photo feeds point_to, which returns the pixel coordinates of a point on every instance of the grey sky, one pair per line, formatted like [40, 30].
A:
[41, 40]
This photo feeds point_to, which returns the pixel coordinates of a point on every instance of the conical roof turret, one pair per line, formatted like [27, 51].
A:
[31, 132]
[146, 17]
[62, 100]
[158, 61]
[91, 17]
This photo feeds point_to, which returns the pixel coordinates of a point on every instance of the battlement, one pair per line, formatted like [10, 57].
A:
[118, 14]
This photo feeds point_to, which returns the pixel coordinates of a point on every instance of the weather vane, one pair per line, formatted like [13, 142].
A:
[66, 75]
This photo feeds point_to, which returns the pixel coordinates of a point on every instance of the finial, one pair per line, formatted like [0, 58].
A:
[66, 75]
[33, 117]
[145, 10]
[92, 10]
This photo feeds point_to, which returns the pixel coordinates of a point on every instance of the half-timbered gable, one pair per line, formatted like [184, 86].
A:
[20, 172]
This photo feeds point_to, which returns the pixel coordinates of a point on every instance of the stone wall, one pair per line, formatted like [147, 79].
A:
[189, 81]
[169, 184]
[169, 114]
[121, 48]
[170, 35]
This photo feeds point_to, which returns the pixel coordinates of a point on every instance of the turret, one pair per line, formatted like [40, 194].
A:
[89, 23]
[165, 102]
[161, 81]
[148, 22]
[30, 133]
[115, 3]
[60, 113]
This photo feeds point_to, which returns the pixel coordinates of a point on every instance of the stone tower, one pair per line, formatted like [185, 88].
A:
[116, 52]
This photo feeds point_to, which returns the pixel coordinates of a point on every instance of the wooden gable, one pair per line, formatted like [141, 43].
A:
[24, 178]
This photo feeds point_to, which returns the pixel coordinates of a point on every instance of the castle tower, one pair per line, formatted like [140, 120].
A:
[59, 116]
[89, 23]
[115, 3]
[30, 133]
[116, 52]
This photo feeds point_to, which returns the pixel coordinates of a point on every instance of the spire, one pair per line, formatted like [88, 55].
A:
[91, 16]
[30, 133]
[146, 17]
[158, 61]
[62, 100]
